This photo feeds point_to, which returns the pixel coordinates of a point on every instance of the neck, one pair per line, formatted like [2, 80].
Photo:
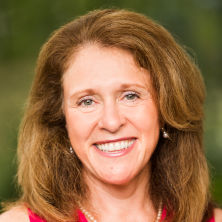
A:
[117, 201]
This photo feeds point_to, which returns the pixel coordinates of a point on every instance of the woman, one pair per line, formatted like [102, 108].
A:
[113, 127]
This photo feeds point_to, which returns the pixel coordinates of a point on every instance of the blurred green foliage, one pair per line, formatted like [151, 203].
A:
[26, 25]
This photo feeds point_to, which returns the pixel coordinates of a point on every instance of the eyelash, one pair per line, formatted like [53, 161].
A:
[81, 101]
[126, 94]
[131, 93]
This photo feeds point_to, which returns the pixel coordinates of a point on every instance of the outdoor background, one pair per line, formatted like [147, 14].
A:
[26, 24]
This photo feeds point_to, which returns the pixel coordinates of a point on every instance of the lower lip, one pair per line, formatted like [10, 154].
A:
[119, 153]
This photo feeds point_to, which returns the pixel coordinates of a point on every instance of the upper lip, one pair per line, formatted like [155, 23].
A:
[114, 140]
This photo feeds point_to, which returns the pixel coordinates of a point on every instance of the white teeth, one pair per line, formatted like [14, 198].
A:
[110, 147]
[118, 146]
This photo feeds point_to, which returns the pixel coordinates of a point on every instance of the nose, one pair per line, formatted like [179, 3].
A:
[111, 118]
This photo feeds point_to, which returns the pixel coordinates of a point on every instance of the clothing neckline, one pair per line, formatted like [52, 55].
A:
[82, 217]
[35, 218]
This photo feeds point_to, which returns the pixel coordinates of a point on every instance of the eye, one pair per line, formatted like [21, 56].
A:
[131, 96]
[85, 102]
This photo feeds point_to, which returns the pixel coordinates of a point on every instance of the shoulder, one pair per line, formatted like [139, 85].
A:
[18, 214]
[218, 215]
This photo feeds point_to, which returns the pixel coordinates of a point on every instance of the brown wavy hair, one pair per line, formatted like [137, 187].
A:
[50, 178]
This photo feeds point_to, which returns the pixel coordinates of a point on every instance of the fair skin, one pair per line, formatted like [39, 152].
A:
[107, 97]
[108, 102]
[20, 214]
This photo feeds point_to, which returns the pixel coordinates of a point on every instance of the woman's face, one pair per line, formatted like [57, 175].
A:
[111, 117]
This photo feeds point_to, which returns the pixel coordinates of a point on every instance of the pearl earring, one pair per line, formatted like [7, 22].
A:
[71, 150]
[165, 134]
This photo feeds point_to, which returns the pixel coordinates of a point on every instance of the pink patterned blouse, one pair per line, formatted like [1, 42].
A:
[35, 218]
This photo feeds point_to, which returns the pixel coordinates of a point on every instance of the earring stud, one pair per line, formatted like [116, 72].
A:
[165, 134]
[71, 150]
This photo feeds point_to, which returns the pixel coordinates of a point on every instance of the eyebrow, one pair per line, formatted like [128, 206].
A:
[122, 86]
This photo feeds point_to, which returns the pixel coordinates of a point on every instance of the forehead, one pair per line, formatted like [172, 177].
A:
[96, 66]
[90, 52]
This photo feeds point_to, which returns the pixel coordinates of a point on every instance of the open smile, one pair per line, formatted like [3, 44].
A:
[117, 147]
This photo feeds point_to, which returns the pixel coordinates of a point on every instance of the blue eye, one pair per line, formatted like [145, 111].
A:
[131, 96]
[86, 102]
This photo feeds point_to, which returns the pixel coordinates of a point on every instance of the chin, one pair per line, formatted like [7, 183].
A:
[120, 180]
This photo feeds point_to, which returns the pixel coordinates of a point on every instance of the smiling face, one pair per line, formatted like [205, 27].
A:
[111, 117]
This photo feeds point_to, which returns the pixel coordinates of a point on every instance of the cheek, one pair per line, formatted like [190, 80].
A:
[145, 118]
[78, 126]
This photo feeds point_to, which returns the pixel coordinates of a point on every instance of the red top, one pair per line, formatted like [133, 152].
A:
[82, 217]
[35, 218]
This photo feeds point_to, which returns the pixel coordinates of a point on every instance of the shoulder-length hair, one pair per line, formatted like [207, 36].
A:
[50, 178]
